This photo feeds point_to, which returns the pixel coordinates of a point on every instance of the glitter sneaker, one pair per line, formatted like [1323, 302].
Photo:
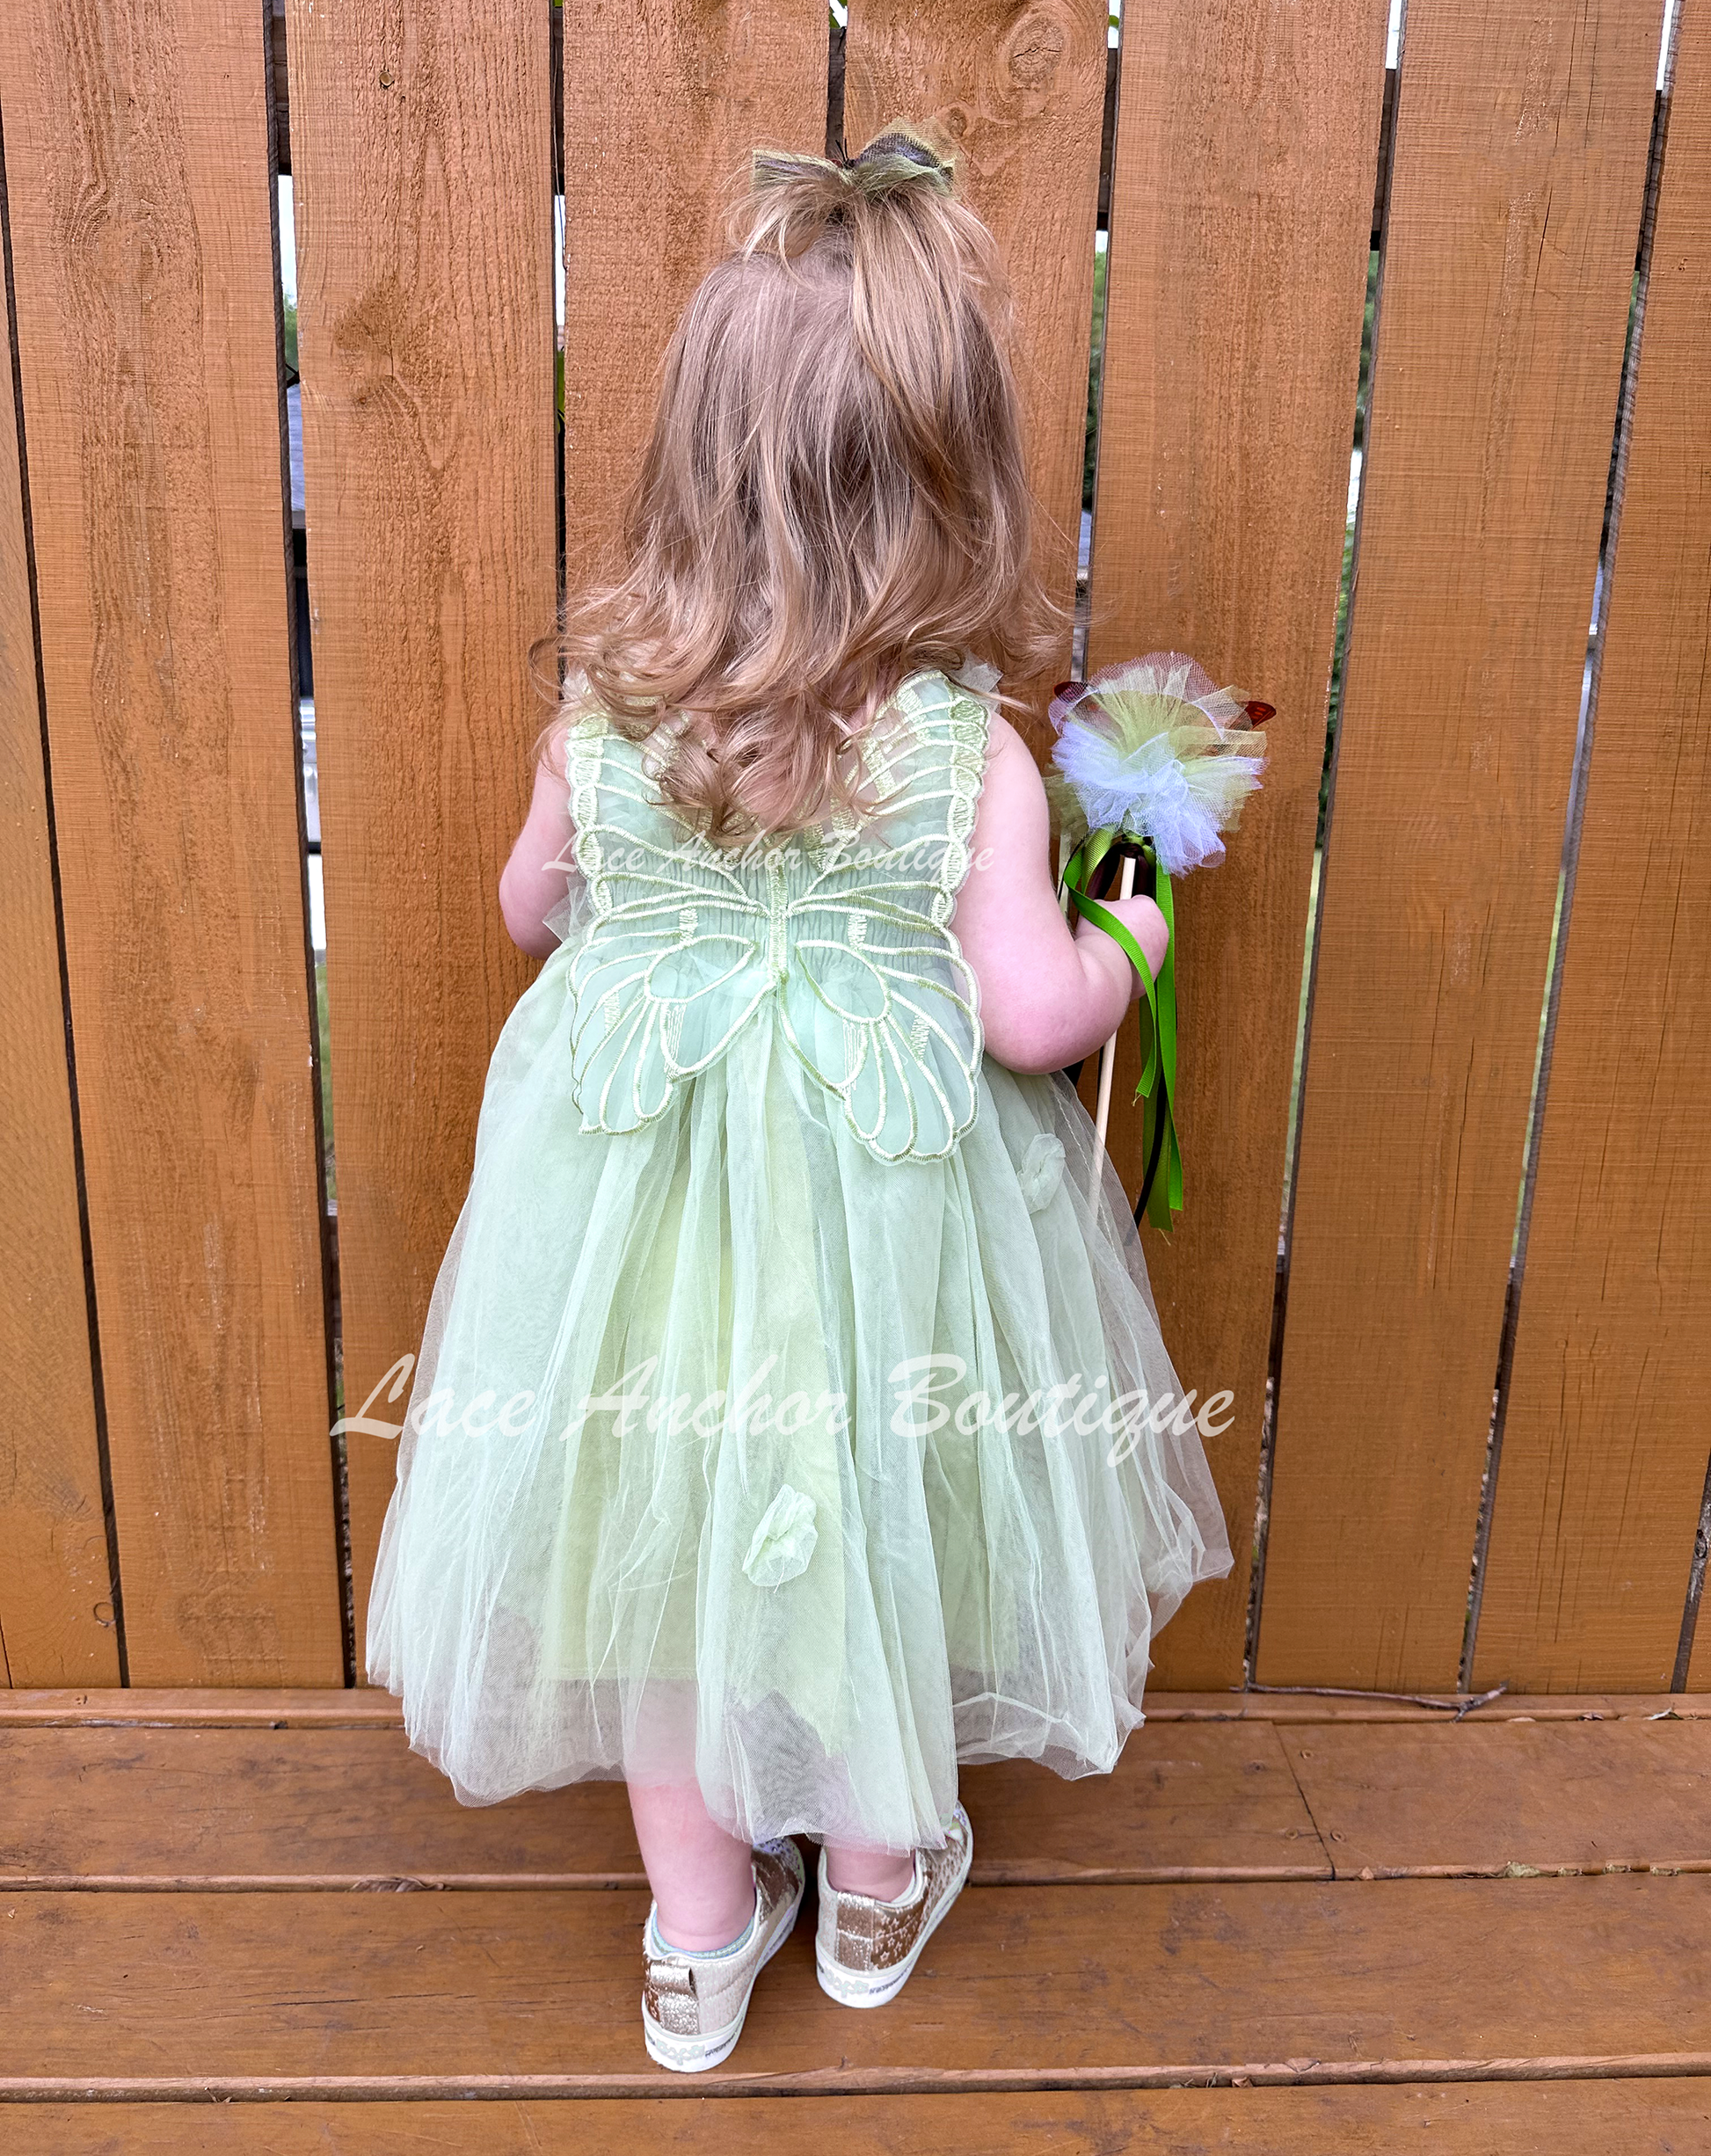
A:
[866, 1949]
[693, 2005]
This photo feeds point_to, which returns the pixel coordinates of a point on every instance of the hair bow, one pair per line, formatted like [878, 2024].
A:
[899, 157]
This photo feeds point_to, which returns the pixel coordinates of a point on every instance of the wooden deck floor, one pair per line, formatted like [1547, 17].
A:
[253, 1922]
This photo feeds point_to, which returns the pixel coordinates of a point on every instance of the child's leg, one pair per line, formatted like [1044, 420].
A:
[881, 1873]
[700, 1875]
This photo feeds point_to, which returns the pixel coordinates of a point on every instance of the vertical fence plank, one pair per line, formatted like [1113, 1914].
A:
[1516, 191]
[1241, 216]
[1605, 1432]
[663, 103]
[56, 1620]
[137, 149]
[421, 149]
[1019, 91]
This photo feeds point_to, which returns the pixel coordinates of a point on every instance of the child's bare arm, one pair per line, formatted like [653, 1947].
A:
[538, 873]
[1048, 996]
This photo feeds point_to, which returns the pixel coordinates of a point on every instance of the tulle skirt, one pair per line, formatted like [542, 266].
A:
[738, 1457]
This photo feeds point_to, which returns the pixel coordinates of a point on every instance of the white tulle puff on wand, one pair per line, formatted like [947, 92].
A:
[1152, 764]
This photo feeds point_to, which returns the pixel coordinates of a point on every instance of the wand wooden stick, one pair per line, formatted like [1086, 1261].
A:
[1108, 1054]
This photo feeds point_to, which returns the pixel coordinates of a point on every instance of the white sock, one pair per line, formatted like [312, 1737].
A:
[711, 1954]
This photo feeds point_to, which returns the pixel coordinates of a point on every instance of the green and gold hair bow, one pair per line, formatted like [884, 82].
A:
[899, 157]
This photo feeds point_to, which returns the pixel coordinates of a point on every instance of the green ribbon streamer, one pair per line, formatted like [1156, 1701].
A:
[1161, 1191]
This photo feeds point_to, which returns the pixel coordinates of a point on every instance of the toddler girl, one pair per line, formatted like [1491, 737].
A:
[792, 1421]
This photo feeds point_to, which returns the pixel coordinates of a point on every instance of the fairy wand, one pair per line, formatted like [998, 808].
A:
[1151, 765]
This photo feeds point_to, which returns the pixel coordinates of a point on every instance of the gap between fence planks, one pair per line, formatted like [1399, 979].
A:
[1241, 217]
[1605, 1433]
[1577, 2118]
[1100, 1986]
[141, 219]
[1019, 93]
[56, 1598]
[1516, 182]
[422, 167]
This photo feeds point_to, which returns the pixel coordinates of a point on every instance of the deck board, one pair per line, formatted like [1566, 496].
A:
[1650, 2117]
[334, 1808]
[505, 1993]
[1128, 1971]
[186, 1807]
[1546, 1796]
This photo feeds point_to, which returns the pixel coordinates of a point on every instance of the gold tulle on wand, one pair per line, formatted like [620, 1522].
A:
[1152, 764]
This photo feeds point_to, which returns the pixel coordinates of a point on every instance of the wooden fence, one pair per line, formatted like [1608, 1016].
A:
[184, 1314]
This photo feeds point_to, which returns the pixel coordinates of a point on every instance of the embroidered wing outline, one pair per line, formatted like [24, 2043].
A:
[674, 966]
[849, 929]
[878, 1001]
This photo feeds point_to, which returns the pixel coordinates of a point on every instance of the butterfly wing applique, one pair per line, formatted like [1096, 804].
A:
[884, 1011]
[847, 928]
[675, 962]
[878, 1001]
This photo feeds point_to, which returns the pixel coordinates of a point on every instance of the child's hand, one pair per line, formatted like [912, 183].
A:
[1141, 917]
[1048, 998]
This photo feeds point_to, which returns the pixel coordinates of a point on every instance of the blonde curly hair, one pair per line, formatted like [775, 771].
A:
[834, 493]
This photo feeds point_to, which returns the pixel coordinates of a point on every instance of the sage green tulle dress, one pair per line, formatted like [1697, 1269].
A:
[785, 1420]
